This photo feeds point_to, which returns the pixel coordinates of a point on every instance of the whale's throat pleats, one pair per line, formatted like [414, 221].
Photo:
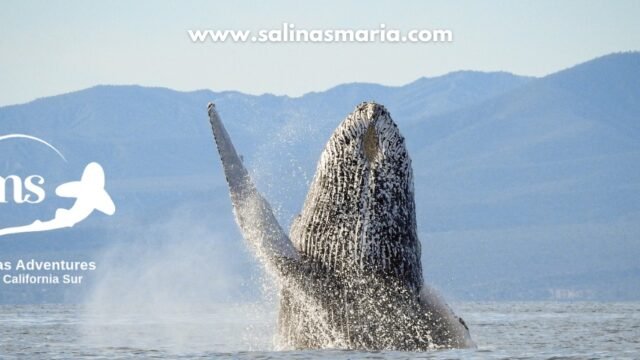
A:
[359, 215]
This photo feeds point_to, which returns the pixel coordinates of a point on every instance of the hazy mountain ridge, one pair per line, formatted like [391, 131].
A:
[510, 170]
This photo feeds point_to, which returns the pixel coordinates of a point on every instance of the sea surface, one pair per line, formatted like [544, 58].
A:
[502, 330]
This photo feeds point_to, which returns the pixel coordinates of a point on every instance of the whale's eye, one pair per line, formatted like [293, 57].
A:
[370, 143]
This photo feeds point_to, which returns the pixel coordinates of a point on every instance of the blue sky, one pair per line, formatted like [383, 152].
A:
[53, 47]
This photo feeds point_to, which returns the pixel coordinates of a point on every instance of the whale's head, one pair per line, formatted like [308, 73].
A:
[359, 215]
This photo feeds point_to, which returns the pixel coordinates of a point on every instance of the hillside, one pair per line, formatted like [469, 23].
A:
[527, 188]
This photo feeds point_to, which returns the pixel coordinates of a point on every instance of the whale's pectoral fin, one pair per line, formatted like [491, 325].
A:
[456, 330]
[253, 213]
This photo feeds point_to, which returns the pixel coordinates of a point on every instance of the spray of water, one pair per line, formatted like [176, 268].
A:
[178, 286]
[183, 286]
[282, 167]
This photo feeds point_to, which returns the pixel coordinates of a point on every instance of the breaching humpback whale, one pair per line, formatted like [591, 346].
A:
[350, 269]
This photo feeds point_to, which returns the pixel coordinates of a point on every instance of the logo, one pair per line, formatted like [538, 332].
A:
[89, 194]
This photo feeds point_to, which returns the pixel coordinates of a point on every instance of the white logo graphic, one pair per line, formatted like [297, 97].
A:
[23, 136]
[89, 193]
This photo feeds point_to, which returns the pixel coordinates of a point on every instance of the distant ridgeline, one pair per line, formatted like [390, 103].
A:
[527, 188]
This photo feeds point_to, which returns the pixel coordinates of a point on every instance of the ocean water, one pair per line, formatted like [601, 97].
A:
[502, 330]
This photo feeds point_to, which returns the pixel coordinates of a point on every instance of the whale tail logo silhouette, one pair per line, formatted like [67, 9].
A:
[90, 195]
[91, 188]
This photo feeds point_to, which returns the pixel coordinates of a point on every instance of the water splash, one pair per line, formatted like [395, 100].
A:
[178, 286]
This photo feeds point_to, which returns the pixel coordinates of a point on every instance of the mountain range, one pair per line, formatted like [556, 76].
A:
[526, 188]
